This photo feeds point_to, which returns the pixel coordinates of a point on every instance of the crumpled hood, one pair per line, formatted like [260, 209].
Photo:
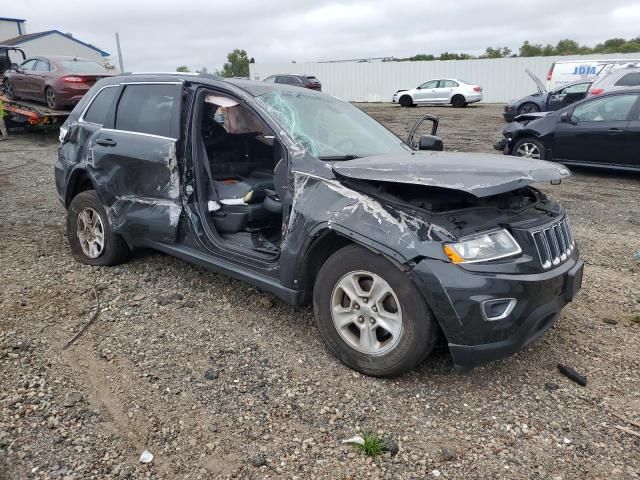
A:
[479, 174]
[531, 116]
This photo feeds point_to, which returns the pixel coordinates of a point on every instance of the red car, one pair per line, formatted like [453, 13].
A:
[56, 80]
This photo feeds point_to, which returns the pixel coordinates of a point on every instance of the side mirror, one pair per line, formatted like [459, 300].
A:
[418, 87]
[567, 117]
[13, 66]
[430, 142]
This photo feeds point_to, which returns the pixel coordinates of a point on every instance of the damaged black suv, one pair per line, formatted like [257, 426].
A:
[307, 197]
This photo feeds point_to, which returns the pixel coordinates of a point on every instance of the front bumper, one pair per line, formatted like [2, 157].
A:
[456, 295]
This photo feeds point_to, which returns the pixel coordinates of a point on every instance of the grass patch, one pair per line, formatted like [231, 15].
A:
[636, 319]
[373, 445]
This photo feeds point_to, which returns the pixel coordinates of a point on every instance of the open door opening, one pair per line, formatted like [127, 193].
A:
[244, 166]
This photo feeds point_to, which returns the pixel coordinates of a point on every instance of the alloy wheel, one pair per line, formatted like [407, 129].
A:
[366, 313]
[528, 150]
[8, 89]
[90, 232]
[51, 98]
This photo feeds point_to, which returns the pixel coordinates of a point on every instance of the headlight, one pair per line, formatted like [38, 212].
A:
[483, 247]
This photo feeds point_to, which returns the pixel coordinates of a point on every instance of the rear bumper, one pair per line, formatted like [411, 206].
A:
[473, 97]
[71, 95]
[457, 297]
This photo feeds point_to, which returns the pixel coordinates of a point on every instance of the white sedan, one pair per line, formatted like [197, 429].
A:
[442, 91]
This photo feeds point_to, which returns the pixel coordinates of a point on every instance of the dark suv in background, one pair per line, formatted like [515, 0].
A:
[309, 198]
[306, 81]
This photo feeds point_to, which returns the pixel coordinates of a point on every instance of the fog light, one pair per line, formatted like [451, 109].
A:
[497, 309]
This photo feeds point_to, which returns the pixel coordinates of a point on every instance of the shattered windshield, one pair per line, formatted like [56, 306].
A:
[329, 128]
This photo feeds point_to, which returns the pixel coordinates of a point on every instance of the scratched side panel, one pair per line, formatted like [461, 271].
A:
[138, 182]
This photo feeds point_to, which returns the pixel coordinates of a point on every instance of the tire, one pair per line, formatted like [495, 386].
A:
[458, 101]
[114, 249]
[9, 91]
[51, 98]
[389, 354]
[534, 147]
[406, 101]
[528, 108]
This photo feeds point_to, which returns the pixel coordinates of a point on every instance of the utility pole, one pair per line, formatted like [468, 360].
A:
[119, 53]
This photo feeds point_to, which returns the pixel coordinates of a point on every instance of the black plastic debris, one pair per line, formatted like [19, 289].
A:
[571, 374]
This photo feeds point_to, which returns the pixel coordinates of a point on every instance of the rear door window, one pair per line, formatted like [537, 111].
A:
[147, 109]
[42, 66]
[100, 107]
[629, 80]
[290, 80]
[448, 84]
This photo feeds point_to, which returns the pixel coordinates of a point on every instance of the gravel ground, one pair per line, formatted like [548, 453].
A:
[218, 380]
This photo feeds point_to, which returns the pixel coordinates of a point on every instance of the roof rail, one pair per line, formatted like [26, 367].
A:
[160, 73]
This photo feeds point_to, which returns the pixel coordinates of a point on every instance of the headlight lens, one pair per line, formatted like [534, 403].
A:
[483, 247]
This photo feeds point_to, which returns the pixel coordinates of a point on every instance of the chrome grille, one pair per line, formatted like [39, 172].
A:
[554, 243]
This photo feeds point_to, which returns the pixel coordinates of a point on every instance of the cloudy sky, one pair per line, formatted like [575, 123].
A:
[162, 35]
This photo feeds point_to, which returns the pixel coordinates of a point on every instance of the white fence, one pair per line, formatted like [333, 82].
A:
[502, 79]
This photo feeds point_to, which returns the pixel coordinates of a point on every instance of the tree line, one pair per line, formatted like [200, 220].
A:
[528, 49]
[237, 64]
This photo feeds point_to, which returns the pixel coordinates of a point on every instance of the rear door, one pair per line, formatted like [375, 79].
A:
[40, 74]
[596, 133]
[134, 161]
[445, 90]
[632, 140]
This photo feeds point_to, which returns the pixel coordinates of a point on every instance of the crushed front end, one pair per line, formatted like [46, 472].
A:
[491, 305]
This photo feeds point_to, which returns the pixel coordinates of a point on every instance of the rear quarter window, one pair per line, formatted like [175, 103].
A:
[146, 109]
[101, 105]
[629, 80]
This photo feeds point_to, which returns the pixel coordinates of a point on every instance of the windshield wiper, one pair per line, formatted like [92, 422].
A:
[339, 157]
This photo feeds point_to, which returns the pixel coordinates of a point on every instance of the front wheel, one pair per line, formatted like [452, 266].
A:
[370, 315]
[90, 236]
[9, 90]
[528, 108]
[529, 148]
[406, 101]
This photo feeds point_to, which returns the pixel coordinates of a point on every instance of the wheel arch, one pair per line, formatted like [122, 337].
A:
[457, 95]
[519, 135]
[405, 94]
[79, 181]
[325, 242]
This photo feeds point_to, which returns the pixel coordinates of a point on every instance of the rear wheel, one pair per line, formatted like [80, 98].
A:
[528, 108]
[458, 101]
[529, 148]
[51, 98]
[406, 101]
[90, 236]
[370, 315]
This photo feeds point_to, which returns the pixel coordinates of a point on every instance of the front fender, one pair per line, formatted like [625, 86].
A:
[326, 204]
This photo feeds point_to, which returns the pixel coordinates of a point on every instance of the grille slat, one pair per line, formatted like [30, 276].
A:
[554, 243]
